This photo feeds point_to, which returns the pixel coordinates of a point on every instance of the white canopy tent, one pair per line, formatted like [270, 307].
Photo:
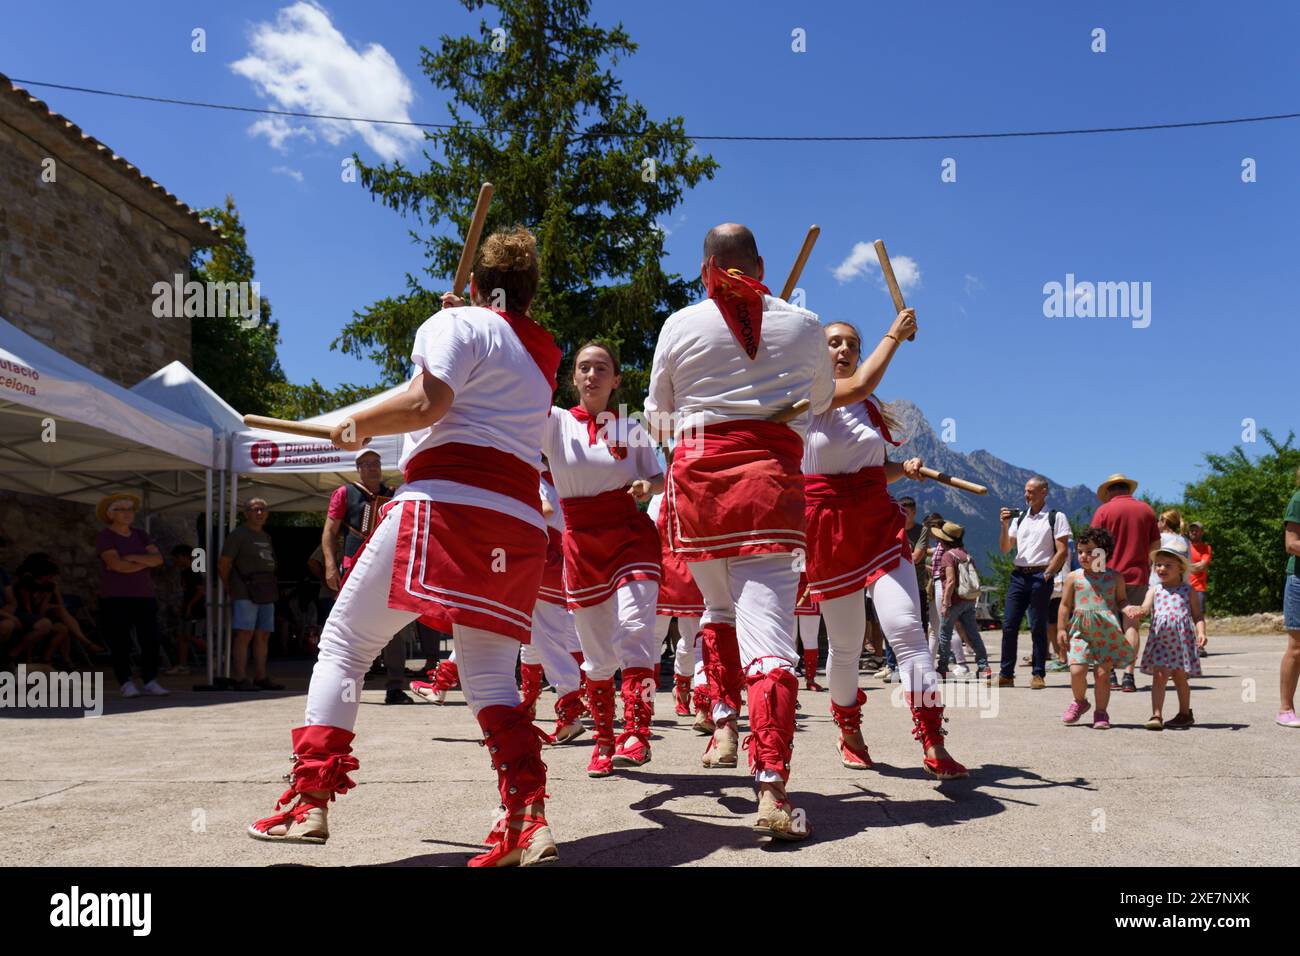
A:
[70, 433]
[291, 473]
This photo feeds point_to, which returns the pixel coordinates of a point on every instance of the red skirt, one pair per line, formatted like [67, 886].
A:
[678, 594]
[608, 541]
[736, 490]
[552, 589]
[461, 564]
[855, 532]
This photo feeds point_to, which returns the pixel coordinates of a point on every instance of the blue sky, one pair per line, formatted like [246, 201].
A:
[1074, 397]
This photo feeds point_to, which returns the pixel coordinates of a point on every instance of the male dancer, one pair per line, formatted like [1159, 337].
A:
[734, 496]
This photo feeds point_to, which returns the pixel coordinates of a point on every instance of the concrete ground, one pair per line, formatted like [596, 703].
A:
[176, 781]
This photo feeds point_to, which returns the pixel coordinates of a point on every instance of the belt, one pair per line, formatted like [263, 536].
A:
[1019, 569]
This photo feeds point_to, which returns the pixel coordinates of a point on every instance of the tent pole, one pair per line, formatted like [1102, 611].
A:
[234, 497]
[208, 570]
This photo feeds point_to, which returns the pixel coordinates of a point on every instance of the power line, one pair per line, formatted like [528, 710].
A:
[1146, 127]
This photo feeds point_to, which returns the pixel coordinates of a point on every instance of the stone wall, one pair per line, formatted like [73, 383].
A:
[78, 265]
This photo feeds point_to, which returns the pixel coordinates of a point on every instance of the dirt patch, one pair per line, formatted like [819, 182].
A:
[1265, 623]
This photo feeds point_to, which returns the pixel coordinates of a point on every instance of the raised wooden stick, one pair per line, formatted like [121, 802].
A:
[800, 261]
[306, 429]
[895, 292]
[949, 480]
[472, 238]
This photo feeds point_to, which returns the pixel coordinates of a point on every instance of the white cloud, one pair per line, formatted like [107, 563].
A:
[862, 261]
[973, 284]
[295, 174]
[302, 63]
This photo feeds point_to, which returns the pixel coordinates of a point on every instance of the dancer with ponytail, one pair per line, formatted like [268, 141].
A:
[857, 541]
[477, 402]
[604, 464]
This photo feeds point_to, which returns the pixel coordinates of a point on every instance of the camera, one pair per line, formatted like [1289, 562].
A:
[1016, 514]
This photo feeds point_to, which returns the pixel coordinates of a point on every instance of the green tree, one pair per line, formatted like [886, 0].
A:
[1240, 503]
[239, 363]
[543, 117]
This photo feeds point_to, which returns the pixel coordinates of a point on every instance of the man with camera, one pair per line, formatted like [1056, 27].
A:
[1040, 537]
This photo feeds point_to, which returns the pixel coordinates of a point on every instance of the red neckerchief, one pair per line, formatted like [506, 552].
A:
[740, 299]
[538, 342]
[619, 451]
[878, 422]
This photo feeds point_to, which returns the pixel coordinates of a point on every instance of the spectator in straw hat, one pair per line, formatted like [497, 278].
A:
[1132, 524]
[127, 601]
[953, 606]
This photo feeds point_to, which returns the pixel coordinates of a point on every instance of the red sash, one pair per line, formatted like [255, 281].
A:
[480, 467]
[608, 541]
[735, 489]
[856, 532]
[679, 596]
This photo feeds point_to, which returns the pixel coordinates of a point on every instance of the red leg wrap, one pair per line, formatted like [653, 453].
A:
[447, 676]
[721, 652]
[810, 670]
[530, 684]
[681, 695]
[600, 698]
[927, 727]
[638, 710]
[322, 760]
[516, 749]
[771, 721]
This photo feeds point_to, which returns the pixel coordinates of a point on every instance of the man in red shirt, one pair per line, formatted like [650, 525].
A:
[1132, 524]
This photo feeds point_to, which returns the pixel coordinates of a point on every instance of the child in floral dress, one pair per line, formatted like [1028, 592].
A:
[1177, 632]
[1091, 599]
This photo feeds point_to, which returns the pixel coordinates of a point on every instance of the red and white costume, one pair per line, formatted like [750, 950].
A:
[857, 542]
[734, 495]
[679, 598]
[555, 648]
[612, 568]
[462, 547]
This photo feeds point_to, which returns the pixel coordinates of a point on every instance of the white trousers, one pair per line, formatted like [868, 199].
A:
[361, 623]
[806, 628]
[554, 640]
[898, 607]
[619, 632]
[756, 595]
[684, 653]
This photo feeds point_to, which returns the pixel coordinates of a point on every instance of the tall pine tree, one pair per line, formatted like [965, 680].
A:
[539, 113]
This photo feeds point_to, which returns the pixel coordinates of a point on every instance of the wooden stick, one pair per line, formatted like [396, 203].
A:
[800, 261]
[949, 480]
[895, 292]
[472, 238]
[305, 429]
[790, 412]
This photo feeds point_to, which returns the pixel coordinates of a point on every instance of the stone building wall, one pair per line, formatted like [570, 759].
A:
[79, 257]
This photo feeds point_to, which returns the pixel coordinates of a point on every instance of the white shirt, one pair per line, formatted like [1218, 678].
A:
[1037, 545]
[501, 401]
[581, 469]
[701, 373]
[841, 441]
